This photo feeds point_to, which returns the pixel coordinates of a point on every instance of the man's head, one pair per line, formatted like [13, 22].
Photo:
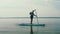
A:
[34, 10]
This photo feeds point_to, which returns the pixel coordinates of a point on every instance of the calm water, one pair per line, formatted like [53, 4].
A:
[10, 26]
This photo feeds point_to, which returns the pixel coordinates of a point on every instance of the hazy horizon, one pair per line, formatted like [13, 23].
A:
[21, 8]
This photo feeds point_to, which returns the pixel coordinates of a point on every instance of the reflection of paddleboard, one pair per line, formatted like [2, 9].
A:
[31, 24]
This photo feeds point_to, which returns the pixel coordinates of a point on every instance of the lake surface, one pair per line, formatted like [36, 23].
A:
[10, 26]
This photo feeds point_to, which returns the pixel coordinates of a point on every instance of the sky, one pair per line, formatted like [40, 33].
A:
[21, 8]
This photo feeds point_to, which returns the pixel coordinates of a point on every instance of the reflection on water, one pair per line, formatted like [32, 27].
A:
[9, 26]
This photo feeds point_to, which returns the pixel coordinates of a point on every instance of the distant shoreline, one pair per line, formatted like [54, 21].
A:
[26, 17]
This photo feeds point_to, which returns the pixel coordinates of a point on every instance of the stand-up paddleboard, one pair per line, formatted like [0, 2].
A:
[31, 24]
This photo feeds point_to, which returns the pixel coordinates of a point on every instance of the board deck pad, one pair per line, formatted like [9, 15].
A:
[31, 24]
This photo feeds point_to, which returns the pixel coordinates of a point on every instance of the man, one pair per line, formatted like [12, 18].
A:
[32, 15]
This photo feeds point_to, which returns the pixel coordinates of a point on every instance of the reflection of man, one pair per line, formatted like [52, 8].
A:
[32, 15]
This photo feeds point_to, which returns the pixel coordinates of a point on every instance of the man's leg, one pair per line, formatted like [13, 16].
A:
[31, 20]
